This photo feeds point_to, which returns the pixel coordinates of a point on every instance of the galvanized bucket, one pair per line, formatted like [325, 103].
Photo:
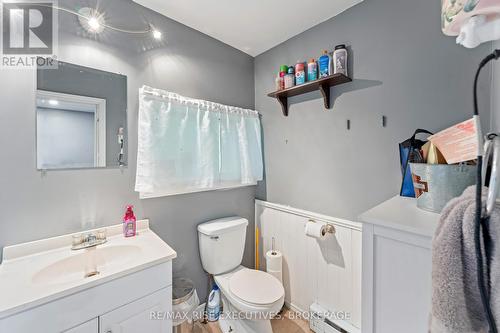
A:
[436, 184]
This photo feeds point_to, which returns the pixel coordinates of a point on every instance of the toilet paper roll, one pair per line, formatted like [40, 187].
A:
[276, 274]
[316, 230]
[274, 263]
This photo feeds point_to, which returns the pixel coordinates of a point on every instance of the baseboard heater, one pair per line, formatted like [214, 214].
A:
[321, 322]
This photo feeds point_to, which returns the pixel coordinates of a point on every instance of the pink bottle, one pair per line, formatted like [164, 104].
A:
[129, 222]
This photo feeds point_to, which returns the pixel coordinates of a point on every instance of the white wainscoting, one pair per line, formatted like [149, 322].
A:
[327, 272]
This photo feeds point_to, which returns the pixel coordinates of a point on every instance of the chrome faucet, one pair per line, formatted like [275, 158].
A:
[85, 241]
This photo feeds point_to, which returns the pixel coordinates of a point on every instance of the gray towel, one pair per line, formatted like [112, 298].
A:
[495, 264]
[456, 302]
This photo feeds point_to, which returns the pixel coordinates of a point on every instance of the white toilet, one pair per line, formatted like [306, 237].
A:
[250, 297]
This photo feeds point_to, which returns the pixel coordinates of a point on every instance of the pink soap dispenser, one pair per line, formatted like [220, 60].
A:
[129, 222]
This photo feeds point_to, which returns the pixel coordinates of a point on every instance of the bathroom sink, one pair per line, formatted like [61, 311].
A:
[79, 264]
[37, 272]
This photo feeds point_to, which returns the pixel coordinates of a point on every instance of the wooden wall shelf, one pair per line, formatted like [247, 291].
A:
[323, 85]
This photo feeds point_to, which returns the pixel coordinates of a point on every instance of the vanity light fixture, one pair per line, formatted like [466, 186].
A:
[91, 20]
[94, 24]
[156, 34]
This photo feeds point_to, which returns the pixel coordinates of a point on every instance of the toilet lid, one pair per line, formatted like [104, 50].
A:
[256, 287]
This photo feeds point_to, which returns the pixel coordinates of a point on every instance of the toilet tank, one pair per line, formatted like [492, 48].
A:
[222, 243]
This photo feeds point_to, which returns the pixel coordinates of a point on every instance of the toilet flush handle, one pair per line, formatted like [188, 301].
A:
[216, 238]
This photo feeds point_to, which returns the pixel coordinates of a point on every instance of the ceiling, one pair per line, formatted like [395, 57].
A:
[252, 26]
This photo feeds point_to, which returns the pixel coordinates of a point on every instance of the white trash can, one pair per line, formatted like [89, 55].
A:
[184, 302]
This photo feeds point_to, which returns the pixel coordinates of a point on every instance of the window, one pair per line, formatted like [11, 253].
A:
[187, 145]
[71, 131]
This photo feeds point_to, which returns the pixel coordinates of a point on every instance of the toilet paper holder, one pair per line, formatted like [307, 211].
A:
[329, 228]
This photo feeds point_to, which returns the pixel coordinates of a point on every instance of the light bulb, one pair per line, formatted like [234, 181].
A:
[157, 34]
[91, 20]
[94, 24]
[53, 102]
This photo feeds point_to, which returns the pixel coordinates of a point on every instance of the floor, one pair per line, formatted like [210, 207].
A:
[287, 323]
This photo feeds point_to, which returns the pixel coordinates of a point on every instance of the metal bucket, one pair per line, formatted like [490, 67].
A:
[436, 184]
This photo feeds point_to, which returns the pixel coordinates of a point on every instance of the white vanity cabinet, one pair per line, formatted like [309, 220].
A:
[396, 268]
[48, 292]
[133, 317]
[90, 326]
[123, 305]
[137, 317]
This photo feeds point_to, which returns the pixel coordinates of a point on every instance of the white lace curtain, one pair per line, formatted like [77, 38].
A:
[188, 145]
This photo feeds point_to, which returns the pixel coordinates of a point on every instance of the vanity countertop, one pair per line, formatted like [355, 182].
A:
[402, 213]
[42, 271]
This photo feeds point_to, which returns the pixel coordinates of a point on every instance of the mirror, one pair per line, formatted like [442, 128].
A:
[81, 118]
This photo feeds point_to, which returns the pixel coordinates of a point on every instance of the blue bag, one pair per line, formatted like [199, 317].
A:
[409, 151]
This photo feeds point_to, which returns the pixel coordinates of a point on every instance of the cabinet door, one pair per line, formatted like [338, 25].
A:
[90, 326]
[139, 316]
[397, 281]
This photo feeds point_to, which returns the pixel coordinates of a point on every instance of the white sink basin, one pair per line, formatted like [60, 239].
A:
[75, 267]
[41, 271]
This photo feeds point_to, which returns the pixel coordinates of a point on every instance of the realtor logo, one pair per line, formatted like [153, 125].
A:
[28, 33]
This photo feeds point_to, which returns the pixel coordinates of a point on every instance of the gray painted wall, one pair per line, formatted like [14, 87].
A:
[403, 68]
[34, 205]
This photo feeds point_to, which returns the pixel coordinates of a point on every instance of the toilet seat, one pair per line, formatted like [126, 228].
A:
[255, 287]
[238, 293]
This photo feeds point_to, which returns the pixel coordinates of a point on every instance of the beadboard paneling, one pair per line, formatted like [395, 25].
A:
[324, 271]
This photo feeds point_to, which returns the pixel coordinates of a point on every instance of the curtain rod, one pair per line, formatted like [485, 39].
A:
[163, 94]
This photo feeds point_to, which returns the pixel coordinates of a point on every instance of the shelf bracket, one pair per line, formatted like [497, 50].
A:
[325, 91]
[323, 85]
[284, 104]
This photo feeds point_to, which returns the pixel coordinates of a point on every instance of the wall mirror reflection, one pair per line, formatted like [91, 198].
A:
[81, 118]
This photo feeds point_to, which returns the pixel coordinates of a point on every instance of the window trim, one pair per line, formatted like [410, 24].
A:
[197, 190]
